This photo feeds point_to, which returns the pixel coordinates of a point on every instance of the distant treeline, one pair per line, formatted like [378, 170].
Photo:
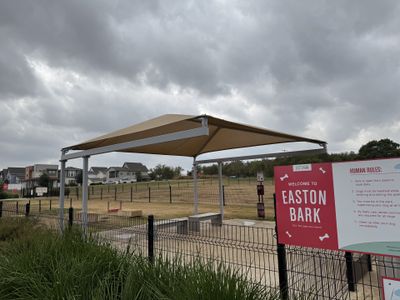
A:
[373, 149]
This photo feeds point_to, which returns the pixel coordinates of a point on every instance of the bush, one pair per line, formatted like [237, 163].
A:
[7, 195]
[43, 265]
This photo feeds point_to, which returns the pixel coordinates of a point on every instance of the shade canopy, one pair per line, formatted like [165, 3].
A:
[222, 135]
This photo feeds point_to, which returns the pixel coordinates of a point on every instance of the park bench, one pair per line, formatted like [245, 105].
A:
[194, 221]
[181, 225]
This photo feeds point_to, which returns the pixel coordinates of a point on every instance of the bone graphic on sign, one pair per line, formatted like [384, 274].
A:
[325, 236]
[288, 234]
[322, 170]
[284, 177]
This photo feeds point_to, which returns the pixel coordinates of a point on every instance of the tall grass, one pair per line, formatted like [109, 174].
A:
[36, 263]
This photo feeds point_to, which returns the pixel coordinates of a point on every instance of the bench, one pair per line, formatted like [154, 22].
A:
[91, 217]
[194, 221]
[130, 213]
[181, 225]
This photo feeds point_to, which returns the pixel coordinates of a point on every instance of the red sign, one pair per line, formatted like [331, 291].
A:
[305, 206]
[5, 186]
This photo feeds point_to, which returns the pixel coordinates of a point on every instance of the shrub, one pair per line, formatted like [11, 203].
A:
[44, 265]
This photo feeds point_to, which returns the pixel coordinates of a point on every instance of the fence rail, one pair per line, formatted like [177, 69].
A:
[251, 250]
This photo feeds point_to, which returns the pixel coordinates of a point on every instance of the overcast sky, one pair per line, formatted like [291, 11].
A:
[72, 70]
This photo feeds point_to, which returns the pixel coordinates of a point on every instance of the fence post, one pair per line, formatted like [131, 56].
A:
[40, 205]
[223, 194]
[170, 194]
[1, 209]
[70, 216]
[149, 194]
[131, 193]
[282, 264]
[101, 193]
[27, 209]
[150, 238]
[369, 262]
[115, 193]
[16, 208]
[350, 271]
[50, 204]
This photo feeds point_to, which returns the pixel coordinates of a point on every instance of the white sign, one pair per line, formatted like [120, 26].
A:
[367, 200]
[41, 190]
[391, 288]
[260, 176]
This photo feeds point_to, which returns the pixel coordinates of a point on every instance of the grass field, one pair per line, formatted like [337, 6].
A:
[169, 199]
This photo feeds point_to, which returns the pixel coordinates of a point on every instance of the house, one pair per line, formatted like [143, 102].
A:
[33, 173]
[14, 175]
[140, 170]
[97, 175]
[120, 175]
[71, 175]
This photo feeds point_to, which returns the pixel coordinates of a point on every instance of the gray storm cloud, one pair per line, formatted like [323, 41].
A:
[71, 70]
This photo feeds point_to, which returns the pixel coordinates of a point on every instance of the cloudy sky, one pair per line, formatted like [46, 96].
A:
[72, 70]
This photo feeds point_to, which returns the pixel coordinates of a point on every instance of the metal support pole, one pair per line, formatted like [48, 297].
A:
[170, 194]
[85, 194]
[62, 193]
[149, 194]
[221, 191]
[195, 191]
[223, 195]
[27, 209]
[369, 262]
[131, 193]
[350, 272]
[282, 264]
[150, 238]
[70, 216]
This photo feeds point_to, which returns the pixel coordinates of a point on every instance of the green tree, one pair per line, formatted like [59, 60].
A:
[44, 180]
[78, 177]
[161, 172]
[379, 149]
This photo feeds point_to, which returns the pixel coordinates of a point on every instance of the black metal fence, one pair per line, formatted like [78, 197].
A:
[249, 248]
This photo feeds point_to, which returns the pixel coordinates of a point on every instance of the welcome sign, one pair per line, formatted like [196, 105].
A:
[352, 206]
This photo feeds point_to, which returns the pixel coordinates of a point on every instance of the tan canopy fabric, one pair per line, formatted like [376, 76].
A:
[223, 135]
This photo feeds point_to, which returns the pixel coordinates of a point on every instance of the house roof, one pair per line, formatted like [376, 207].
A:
[118, 168]
[135, 167]
[16, 171]
[72, 169]
[97, 170]
[222, 135]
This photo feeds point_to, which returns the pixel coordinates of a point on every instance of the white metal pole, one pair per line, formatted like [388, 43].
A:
[221, 195]
[195, 191]
[85, 193]
[62, 192]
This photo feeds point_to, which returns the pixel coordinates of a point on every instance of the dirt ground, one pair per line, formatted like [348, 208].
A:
[240, 198]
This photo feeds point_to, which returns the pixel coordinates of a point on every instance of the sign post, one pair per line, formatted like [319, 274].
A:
[260, 194]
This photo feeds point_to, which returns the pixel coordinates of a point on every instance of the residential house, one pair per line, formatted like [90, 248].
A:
[120, 175]
[97, 175]
[141, 172]
[33, 173]
[71, 175]
[14, 175]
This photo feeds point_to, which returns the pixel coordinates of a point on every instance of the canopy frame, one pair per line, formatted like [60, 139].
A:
[203, 130]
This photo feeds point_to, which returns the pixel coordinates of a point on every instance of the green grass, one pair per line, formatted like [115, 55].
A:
[36, 263]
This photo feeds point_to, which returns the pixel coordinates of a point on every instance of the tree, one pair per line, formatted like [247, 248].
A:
[162, 172]
[78, 178]
[379, 149]
[44, 180]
